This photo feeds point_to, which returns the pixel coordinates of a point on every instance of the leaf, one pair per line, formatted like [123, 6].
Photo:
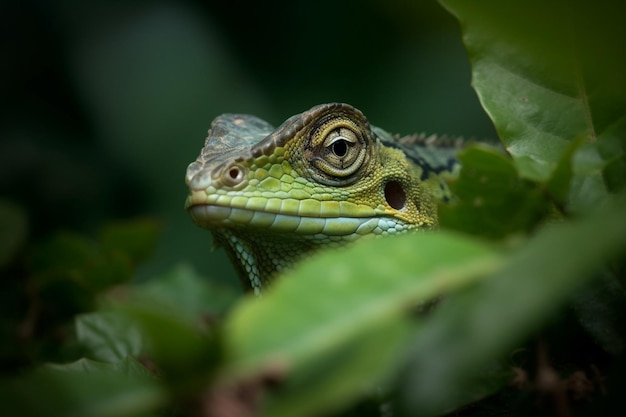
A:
[559, 183]
[169, 319]
[180, 348]
[549, 73]
[83, 388]
[62, 256]
[599, 309]
[127, 366]
[185, 292]
[487, 321]
[135, 238]
[491, 199]
[66, 257]
[334, 379]
[106, 271]
[319, 312]
[109, 336]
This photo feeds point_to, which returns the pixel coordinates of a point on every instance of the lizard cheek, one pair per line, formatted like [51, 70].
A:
[395, 195]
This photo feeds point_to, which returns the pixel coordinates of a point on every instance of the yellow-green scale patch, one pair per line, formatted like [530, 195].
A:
[287, 204]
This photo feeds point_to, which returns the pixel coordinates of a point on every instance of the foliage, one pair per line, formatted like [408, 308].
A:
[529, 263]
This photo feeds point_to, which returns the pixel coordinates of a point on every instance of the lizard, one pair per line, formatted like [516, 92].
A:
[323, 178]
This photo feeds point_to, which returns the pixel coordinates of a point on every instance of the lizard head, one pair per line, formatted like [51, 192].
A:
[322, 178]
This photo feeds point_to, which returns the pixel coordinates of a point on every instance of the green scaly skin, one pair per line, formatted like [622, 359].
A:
[322, 179]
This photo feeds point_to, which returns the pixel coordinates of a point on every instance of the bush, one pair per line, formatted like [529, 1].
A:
[515, 306]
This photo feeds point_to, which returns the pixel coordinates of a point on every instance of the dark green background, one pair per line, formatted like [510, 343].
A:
[104, 103]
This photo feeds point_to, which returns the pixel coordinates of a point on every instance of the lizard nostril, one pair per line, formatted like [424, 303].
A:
[234, 173]
[233, 176]
[395, 195]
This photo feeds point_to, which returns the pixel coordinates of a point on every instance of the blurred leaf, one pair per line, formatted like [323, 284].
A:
[169, 319]
[107, 270]
[108, 336]
[127, 366]
[83, 388]
[486, 321]
[58, 266]
[186, 293]
[13, 230]
[327, 305]
[491, 199]
[613, 150]
[486, 380]
[70, 270]
[546, 87]
[183, 350]
[135, 238]
[64, 254]
[71, 260]
[559, 183]
[334, 379]
[600, 309]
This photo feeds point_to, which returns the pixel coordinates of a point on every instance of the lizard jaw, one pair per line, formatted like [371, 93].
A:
[214, 216]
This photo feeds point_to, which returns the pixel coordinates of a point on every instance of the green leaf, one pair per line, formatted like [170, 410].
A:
[106, 271]
[491, 199]
[69, 262]
[109, 336]
[183, 350]
[612, 150]
[169, 319]
[64, 255]
[360, 367]
[559, 183]
[315, 316]
[487, 321]
[135, 238]
[185, 292]
[127, 366]
[83, 388]
[545, 81]
[600, 310]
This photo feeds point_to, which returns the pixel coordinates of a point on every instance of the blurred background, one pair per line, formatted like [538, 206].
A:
[105, 103]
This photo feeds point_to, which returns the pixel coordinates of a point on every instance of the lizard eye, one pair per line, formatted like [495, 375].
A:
[341, 152]
[339, 147]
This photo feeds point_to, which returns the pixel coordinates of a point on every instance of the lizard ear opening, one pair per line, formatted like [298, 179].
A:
[395, 195]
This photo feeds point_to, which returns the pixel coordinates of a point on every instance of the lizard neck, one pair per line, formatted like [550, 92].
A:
[259, 258]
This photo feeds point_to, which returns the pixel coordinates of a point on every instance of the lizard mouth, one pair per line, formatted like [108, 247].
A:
[214, 216]
[306, 217]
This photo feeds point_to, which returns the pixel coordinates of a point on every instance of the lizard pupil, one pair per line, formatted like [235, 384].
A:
[340, 148]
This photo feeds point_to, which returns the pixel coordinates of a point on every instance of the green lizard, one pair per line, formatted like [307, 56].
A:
[325, 177]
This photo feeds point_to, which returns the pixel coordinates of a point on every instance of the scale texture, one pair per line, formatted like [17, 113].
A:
[324, 178]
